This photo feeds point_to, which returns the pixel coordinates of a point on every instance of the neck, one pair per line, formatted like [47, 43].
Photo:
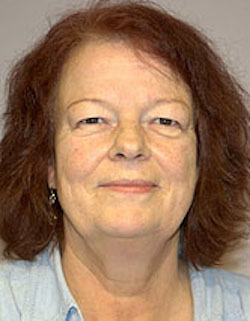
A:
[124, 274]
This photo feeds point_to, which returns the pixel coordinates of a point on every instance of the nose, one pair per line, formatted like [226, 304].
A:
[129, 144]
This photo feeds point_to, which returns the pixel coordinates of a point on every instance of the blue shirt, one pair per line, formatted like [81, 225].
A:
[37, 291]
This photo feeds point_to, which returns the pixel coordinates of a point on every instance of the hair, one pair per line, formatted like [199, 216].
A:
[217, 217]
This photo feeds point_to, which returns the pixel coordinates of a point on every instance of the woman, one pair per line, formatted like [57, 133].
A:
[124, 173]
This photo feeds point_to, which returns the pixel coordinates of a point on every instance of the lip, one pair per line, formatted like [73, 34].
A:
[127, 182]
[130, 189]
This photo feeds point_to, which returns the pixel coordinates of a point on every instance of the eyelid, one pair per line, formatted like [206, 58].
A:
[82, 121]
[164, 118]
[168, 119]
[170, 124]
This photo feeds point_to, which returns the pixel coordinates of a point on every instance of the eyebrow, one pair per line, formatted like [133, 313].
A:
[92, 100]
[108, 105]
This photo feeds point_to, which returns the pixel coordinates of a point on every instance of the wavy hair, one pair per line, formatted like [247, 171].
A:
[217, 217]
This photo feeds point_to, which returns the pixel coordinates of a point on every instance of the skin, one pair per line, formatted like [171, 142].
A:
[124, 247]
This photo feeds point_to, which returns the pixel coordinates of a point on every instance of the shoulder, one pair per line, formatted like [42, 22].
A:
[14, 277]
[228, 283]
[21, 282]
[16, 272]
[223, 291]
[229, 280]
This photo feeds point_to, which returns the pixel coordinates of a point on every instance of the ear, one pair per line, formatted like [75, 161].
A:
[52, 176]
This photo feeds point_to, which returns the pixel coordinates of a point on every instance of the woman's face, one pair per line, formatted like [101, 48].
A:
[128, 140]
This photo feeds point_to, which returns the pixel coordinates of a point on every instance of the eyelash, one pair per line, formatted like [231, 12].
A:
[170, 122]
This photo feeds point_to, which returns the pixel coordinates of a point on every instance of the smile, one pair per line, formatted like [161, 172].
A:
[135, 189]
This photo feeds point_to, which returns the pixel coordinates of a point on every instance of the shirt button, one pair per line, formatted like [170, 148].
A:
[72, 315]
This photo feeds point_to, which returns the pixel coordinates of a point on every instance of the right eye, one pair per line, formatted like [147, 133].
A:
[88, 121]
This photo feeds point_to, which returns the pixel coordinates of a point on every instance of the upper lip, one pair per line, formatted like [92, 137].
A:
[128, 182]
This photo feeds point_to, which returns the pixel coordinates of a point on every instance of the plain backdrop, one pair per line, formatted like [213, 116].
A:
[226, 22]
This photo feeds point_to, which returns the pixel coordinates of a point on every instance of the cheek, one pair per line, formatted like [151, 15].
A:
[184, 163]
[76, 160]
[178, 159]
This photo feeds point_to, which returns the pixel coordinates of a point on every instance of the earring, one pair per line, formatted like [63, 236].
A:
[52, 197]
[52, 200]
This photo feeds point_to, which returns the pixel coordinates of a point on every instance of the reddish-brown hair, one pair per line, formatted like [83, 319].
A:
[217, 217]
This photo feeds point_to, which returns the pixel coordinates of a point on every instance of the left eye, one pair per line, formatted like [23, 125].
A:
[168, 122]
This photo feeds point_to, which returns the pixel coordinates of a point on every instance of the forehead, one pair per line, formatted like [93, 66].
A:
[114, 68]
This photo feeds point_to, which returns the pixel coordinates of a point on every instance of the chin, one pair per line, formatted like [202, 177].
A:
[128, 230]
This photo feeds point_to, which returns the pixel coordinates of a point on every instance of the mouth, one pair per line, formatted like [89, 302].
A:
[130, 186]
[130, 183]
[130, 189]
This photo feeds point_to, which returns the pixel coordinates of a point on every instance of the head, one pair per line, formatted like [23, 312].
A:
[165, 50]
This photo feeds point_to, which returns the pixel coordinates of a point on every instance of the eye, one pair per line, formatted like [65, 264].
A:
[92, 120]
[168, 122]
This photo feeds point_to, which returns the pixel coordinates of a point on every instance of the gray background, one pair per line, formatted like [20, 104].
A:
[226, 22]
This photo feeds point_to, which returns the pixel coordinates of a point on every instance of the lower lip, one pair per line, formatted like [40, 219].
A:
[130, 189]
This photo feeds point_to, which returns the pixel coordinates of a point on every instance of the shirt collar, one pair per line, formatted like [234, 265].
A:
[211, 300]
[69, 306]
[48, 296]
